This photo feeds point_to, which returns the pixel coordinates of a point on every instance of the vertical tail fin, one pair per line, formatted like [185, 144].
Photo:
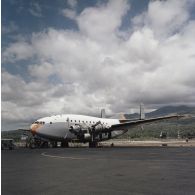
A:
[103, 113]
[142, 113]
[122, 117]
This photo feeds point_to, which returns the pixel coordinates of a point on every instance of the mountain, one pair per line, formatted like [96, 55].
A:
[172, 110]
[166, 110]
[186, 128]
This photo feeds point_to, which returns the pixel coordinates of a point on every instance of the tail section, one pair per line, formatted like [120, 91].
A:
[103, 113]
[142, 113]
[122, 117]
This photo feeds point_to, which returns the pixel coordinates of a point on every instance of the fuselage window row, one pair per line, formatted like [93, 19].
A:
[91, 122]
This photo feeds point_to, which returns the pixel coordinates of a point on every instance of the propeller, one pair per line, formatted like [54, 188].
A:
[92, 131]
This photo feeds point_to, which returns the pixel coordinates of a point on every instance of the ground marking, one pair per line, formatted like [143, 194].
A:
[63, 157]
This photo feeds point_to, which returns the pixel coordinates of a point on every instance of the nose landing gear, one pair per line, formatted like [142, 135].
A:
[37, 143]
[34, 143]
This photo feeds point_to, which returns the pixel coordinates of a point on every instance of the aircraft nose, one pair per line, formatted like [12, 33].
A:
[33, 128]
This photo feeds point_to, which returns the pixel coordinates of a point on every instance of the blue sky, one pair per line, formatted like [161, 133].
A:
[22, 18]
[18, 11]
[78, 56]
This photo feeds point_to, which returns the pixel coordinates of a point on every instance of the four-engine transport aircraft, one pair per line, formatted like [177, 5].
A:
[80, 128]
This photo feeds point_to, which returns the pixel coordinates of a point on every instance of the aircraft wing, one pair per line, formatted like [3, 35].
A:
[130, 124]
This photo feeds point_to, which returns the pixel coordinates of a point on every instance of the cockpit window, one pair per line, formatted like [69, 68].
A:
[39, 122]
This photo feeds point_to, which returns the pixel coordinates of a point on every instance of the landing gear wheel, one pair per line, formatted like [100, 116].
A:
[35, 143]
[93, 144]
[44, 145]
[64, 145]
[54, 144]
[32, 144]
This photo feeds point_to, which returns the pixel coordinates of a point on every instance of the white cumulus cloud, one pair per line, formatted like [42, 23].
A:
[81, 71]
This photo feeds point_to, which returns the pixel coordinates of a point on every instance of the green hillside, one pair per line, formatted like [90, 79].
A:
[14, 134]
[154, 130]
[186, 127]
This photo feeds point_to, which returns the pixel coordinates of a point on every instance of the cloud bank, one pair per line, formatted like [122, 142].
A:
[151, 60]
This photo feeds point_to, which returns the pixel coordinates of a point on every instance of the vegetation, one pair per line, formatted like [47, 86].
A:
[185, 128]
[14, 134]
[154, 131]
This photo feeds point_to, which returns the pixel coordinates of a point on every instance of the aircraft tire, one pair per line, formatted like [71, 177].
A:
[44, 145]
[64, 145]
[54, 144]
[32, 146]
[93, 144]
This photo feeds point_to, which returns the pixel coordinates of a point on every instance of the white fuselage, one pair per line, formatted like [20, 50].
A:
[57, 127]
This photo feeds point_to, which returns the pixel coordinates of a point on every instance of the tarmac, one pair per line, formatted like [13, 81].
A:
[154, 143]
[110, 170]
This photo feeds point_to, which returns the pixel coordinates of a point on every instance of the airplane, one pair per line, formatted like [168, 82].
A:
[66, 128]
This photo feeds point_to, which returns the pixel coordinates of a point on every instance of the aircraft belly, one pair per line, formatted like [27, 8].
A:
[55, 130]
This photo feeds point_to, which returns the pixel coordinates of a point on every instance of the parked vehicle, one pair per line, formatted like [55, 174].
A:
[7, 144]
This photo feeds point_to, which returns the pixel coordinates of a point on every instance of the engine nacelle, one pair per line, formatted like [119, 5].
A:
[75, 129]
[100, 127]
[87, 136]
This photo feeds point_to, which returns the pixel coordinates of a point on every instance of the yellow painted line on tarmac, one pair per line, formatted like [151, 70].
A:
[63, 157]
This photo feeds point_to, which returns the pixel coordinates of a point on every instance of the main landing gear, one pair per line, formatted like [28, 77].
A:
[93, 144]
[36, 143]
[64, 145]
